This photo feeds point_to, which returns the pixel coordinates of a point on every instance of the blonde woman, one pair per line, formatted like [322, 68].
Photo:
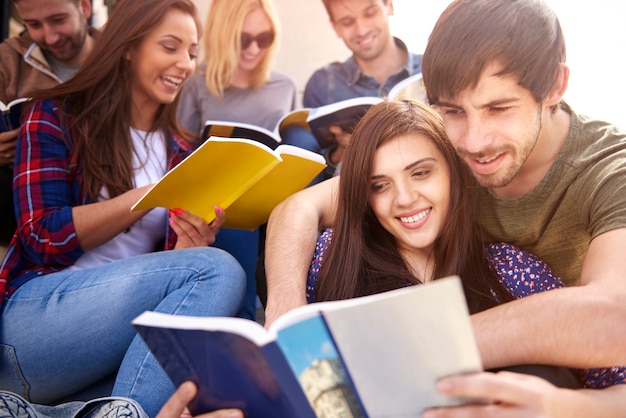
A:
[235, 81]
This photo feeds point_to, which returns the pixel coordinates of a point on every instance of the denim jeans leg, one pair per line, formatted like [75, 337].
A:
[66, 330]
[244, 246]
[218, 291]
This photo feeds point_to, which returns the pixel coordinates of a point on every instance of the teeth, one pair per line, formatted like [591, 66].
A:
[487, 161]
[415, 218]
[174, 81]
[366, 41]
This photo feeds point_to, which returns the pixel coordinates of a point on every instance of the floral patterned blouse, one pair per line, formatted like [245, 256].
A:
[520, 273]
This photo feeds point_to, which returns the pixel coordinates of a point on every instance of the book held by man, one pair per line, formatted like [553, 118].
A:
[11, 114]
[411, 87]
[244, 177]
[374, 356]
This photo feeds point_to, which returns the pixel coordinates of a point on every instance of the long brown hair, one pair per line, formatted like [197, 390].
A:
[96, 104]
[363, 257]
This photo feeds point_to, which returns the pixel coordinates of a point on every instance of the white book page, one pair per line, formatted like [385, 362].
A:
[397, 348]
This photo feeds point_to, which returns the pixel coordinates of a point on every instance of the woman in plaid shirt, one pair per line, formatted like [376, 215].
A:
[81, 266]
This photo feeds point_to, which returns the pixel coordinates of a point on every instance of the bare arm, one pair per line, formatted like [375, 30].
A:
[97, 223]
[518, 395]
[581, 326]
[292, 231]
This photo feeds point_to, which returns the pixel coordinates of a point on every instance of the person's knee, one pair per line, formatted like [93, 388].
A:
[221, 264]
[211, 282]
[223, 260]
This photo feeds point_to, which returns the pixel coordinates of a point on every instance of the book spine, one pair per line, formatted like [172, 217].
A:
[358, 410]
[288, 381]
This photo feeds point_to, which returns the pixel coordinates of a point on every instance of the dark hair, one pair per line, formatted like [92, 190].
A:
[363, 257]
[523, 36]
[97, 98]
[328, 2]
[72, 1]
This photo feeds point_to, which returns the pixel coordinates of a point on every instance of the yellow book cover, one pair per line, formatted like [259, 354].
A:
[244, 177]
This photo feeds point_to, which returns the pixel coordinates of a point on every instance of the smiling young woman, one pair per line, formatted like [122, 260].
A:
[81, 265]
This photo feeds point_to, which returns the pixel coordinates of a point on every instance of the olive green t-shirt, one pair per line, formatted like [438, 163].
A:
[582, 196]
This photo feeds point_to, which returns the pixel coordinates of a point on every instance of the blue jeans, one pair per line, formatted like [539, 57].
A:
[12, 405]
[64, 331]
[244, 246]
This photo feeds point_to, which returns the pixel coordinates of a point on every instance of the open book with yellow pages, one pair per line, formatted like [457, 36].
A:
[244, 177]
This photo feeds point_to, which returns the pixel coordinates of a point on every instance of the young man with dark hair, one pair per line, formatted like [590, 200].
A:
[553, 184]
[378, 62]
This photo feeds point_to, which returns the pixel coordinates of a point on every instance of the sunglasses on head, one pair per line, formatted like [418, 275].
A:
[263, 40]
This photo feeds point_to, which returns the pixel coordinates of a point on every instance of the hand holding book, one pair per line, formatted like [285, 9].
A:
[374, 356]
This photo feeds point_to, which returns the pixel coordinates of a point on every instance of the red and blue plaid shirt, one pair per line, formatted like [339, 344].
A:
[46, 185]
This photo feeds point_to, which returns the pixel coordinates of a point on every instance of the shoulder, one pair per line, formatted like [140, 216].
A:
[44, 109]
[18, 45]
[322, 244]
[44, 118]
[595, 150]
[335, 67]
[11, 53]
[595, 131]
[279, 77]
[413, 60]
[586, 132]
[324, 81]
[282, 80]
[178, 146]
[321, 74]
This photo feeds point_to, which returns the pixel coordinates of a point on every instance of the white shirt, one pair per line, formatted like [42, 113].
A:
[149, 164]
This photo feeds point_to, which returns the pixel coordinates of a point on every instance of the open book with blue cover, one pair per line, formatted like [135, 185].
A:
[374, 356]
